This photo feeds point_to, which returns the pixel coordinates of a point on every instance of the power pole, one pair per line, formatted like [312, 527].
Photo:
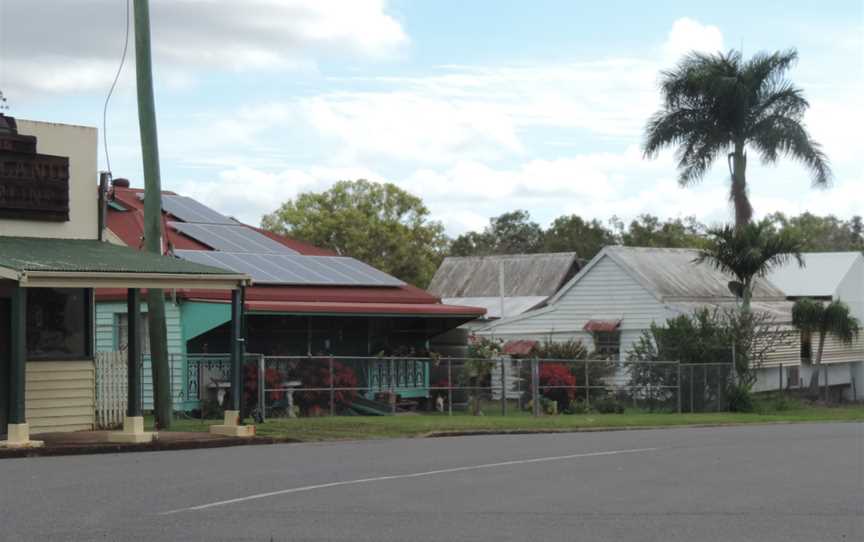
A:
[152, 214]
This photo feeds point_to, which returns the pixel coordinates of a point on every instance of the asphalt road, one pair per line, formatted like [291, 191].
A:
[765, 483]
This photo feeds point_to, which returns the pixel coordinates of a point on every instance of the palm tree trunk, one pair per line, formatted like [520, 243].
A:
[738, 192]
[746, 296]
[817, 364]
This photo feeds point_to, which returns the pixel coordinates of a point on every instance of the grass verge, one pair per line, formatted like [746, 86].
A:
[419, 425]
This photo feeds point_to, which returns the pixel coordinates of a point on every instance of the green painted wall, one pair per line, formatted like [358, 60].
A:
[107, 340]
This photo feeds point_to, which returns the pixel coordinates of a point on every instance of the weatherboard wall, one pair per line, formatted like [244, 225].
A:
[605, 291]
[108, 340]
[851, 288]
[60, 395]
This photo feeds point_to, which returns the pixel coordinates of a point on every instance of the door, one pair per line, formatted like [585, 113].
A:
[5, 352]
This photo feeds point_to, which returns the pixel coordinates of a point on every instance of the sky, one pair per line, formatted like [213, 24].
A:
[479, 107]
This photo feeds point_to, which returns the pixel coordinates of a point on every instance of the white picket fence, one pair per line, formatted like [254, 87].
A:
[111, 378]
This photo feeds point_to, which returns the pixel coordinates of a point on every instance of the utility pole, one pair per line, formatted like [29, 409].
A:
[152, 214]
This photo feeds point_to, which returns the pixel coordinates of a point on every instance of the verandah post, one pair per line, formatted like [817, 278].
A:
[133, 352]
[236, 349]
[18, 361]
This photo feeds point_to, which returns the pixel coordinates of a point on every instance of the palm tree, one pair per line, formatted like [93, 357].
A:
[810, 316]
[747, 252]
[717, 104]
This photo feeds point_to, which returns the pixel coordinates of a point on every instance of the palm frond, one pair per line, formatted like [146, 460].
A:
[780, 134]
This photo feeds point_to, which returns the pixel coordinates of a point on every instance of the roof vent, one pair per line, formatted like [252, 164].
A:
[120, 182]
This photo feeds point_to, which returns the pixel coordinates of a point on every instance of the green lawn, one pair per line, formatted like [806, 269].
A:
[418, 425]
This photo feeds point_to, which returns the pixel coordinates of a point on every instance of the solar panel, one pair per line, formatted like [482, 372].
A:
[234, 238]
[192, 211]
[294, 269]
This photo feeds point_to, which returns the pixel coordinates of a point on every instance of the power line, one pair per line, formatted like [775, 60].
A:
[111, 91]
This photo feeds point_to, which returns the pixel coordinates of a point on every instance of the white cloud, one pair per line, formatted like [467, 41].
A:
[71, 47]
[690, 35]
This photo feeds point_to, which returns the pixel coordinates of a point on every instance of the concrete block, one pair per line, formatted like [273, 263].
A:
[18, 436]
[132, 433]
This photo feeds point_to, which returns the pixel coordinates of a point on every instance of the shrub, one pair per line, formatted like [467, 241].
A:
[740, 399]
[558, 374]
[608, 405]
[316, 374]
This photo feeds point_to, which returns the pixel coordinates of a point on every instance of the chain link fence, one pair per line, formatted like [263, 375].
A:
[301, 386]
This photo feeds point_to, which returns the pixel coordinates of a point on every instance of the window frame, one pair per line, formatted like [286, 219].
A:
[601, 344]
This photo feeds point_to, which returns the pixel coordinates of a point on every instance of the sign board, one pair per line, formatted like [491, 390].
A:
[32, 186]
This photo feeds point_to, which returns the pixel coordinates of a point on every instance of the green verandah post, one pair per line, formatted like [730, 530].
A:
[18, 361]
[133, 352]
[236, 349]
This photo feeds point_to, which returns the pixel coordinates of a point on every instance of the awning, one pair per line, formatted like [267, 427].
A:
[35, 262]
[364, 309]
[600, 326]
[522, 347]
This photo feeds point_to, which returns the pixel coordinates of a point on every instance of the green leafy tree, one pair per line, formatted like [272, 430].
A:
[822, 233]
[571, 233]
[378, 223]
[748, 252]
[810, 317]
[509, 233]
[648, 231]
[720, 104]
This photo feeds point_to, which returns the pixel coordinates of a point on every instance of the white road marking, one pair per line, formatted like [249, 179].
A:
[403, 476]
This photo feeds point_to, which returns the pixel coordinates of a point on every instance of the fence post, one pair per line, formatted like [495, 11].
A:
[332, 391]
[679, 386]
[503, 388]
[535, 386]
[587, 387]
[449, 387]
[392, 398]
[262, 384]
[781, 378]
[825, 372]
[691, 389]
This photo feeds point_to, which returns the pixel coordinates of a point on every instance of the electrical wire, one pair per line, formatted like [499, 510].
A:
[111, 91]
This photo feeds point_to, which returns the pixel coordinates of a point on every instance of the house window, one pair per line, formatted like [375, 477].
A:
[792, 377]
[58, 324]
[607, 344]
[806, 348]
[123, 334]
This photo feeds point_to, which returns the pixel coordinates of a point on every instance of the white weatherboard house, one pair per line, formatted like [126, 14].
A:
[619, 293]
[831, 276]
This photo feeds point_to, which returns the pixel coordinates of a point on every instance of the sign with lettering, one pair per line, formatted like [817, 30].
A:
[32, 186]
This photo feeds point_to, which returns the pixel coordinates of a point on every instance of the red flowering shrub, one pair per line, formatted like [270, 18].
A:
[273, 379]
[558, 374]
[316, 374]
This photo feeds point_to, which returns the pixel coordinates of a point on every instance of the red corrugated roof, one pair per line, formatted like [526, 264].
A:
[129, 227]
[414, 309]
[522, 347]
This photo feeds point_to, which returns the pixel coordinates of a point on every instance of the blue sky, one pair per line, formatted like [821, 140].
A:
[480, 107]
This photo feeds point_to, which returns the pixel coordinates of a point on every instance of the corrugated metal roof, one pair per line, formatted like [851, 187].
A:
[780, 311]
[512, 305]
[525, 275]
[90, 256]
[820, 277]
[672, 273]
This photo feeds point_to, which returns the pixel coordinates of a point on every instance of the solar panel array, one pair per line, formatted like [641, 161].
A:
[234, 238]
[294, 269]
[243, 249]
[190, 210]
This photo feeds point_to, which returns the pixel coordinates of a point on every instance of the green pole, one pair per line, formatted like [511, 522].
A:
[152, 213]
[133, 352]
[18, 361]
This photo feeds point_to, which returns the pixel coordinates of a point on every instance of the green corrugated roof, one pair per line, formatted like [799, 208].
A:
[91, 256]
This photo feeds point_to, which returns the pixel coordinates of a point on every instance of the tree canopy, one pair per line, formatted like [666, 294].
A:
[378, 223]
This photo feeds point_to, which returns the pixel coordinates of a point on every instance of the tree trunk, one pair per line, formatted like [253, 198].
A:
[817, 364]
[159, 362]
[746, 296]
[738, 192]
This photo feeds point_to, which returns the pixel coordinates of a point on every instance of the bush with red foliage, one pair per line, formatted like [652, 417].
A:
[558, 374]
[315, 373]
[273, 379]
